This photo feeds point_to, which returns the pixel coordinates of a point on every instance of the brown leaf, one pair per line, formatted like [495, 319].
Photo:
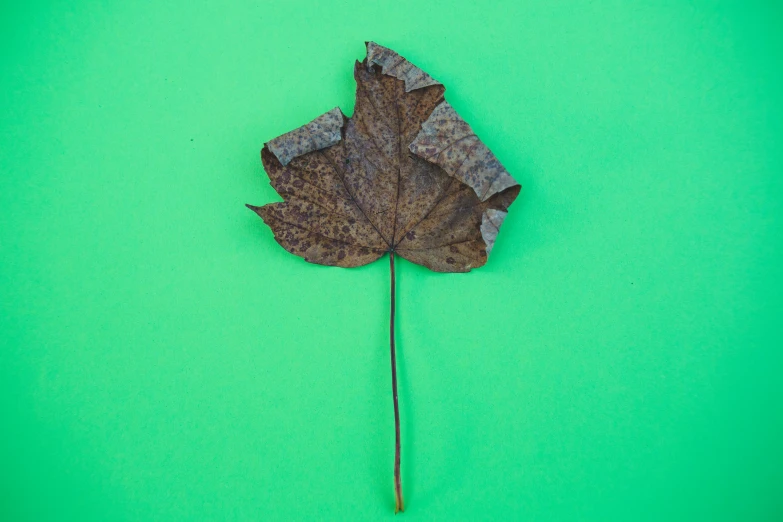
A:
[405, 174]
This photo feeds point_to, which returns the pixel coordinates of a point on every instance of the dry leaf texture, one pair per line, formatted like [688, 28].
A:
[405, 174]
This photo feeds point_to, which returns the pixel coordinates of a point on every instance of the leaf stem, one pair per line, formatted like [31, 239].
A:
[399, 505]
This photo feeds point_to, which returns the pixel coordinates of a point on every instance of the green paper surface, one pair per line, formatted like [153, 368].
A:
[618, 359]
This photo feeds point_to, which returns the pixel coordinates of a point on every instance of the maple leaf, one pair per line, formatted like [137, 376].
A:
[404, 175]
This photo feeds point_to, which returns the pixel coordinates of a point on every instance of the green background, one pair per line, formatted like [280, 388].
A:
[618, 359]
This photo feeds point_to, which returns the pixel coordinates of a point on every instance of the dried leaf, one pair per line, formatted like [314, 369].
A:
[405, 174]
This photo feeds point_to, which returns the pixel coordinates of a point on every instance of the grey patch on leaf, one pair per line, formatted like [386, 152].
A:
[393, 64]
[322, 132]
[490, 225]
[448, 141]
